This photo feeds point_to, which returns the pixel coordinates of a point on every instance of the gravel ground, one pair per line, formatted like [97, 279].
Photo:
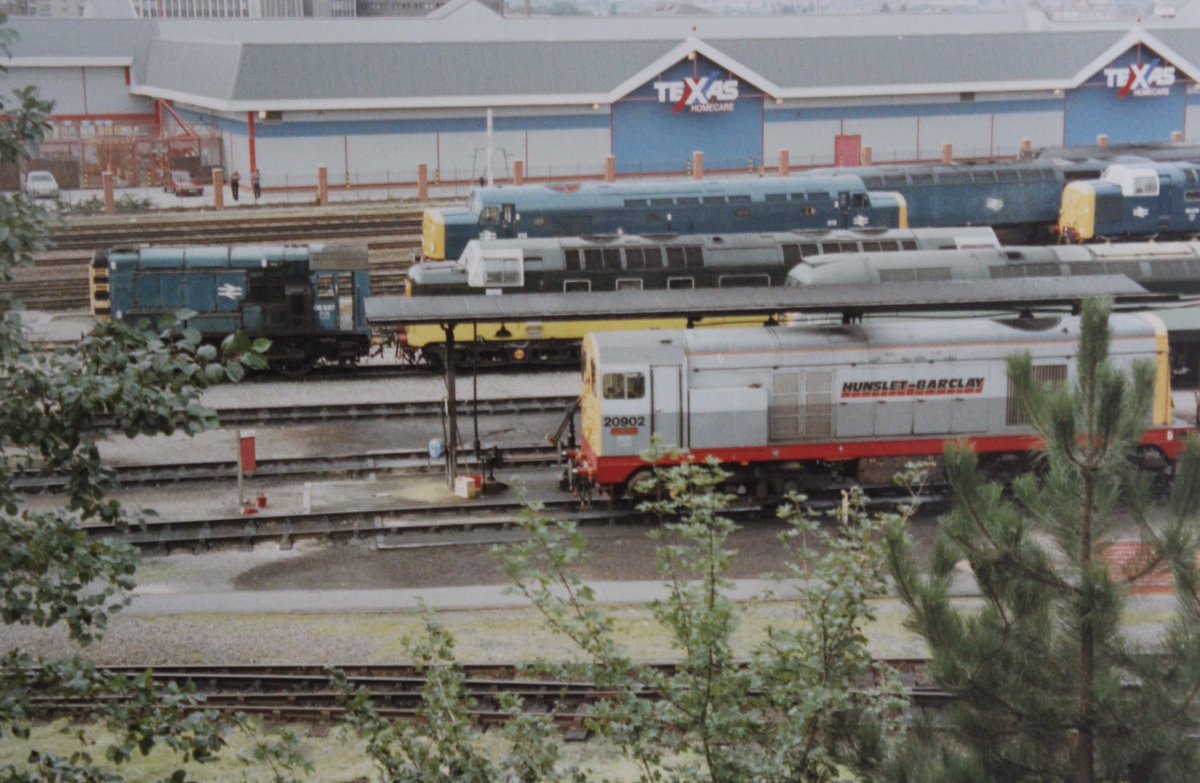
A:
[617, 553]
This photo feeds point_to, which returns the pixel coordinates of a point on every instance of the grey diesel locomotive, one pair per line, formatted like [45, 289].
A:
[615, 263]
[803, 407]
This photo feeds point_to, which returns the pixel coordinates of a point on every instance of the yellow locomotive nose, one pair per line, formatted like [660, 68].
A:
[1077, 220]
[433, 234]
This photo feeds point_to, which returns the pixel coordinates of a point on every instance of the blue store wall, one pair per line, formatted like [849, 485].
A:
[649, 136]
[1096, 107]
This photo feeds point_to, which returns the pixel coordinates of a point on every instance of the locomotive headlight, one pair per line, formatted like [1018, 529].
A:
[519, 354]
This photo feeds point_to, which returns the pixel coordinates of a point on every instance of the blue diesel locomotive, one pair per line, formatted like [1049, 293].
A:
[1020, 200]
[737, 205]
[1133, 199]
[308, 300]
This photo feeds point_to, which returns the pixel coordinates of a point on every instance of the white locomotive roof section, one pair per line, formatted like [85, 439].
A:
[636, 348]
[1133, 180]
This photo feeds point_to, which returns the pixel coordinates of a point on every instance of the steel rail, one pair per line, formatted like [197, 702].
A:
[415, 525]
[306, 692]
[396, 461]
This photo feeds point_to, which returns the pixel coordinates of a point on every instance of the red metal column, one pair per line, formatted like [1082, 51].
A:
[253, 152]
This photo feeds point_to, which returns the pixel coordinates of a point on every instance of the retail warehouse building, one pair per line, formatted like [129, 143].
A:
[372, 100]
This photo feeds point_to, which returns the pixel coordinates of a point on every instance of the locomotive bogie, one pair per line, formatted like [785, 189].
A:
[854, 402]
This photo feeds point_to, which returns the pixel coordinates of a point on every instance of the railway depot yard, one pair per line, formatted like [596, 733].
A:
[349, 536]
[305, 599]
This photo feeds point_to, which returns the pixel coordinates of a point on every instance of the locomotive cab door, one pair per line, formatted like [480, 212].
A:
[297, 304]
[666, 408]
[854, 209]
[508, 221]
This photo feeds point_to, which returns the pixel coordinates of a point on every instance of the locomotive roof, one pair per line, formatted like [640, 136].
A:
[856, 268]
[852, 299]
[734, 348]
[615, 194]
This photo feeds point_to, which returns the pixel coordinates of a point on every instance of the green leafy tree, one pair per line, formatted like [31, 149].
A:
[1048, 687]
[55, 409]
[789, 713]
[441, 742]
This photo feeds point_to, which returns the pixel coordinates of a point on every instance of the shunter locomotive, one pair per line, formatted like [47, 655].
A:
[806, 407]
[308, 300]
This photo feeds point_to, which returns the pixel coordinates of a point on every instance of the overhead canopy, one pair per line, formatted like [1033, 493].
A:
[848, 300]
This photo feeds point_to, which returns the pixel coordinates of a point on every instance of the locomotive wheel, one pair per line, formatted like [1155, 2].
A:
[294, 367]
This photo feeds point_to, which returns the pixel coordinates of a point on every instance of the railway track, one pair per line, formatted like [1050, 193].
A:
[58, 279]
[399, 461]
[306, 693]
[390, 525]
[217, 228]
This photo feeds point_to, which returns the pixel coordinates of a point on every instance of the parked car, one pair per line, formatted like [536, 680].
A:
[181, 184]
[41, 184]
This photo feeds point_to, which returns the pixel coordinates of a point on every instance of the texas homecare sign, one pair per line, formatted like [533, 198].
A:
[701, 95]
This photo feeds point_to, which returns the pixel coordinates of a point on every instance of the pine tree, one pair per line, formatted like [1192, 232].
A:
[1048, 687]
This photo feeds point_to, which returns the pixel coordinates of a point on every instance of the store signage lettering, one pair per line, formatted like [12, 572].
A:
[1141, 80]
[700, 95]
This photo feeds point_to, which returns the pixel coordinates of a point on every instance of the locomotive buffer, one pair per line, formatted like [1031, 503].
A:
[756, 305]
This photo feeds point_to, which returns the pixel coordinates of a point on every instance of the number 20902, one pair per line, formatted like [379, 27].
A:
[624, 421]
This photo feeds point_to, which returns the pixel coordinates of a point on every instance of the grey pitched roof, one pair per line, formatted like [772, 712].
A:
[924, 60]
[455, 69]
[176, 66]
[465, 59]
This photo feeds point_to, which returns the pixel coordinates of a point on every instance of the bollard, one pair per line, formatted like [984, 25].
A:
[785, 163]
[610, 169]
[518, 172]
[422, 182]
[323, 186]
[218, 179]
[110, 202]
[697, 165]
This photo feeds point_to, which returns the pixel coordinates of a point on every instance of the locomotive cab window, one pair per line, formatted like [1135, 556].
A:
[325, 289]
[624, 385]
[744, 281]
[502, 272]
[490, 215]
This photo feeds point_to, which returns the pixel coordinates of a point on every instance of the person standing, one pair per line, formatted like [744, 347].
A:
[234, 182]
[256, 183]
